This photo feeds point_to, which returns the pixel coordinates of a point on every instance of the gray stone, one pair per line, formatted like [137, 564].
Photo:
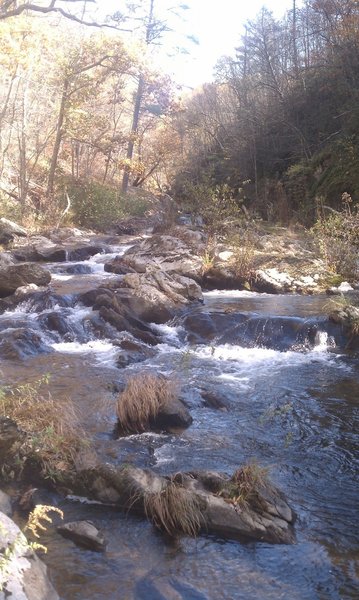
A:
[9, 230]
[265, 516]
[16, 276]
[24, 575]
[5, 504]
[84, 534]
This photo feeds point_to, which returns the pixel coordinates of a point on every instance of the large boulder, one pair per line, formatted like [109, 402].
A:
[156, 295]
[167, 253]
[16, 276]
[42, 249]
[23, 575]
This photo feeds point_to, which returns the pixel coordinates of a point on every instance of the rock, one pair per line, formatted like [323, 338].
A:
[84, 252]
[155, 294]
[133, 352]
[272, 281]
[79, 269]
[83, 533]
[16, 276]
[42, 249]
[348, 318]
[118, 266]
[6, 259]
[20, 343]
[23, 574]
[221, 277]
[212, 399]
[265, 516]
[173, 416]
[9, 230]
[168, 254]
[5, 504]
[345, 287]
[26, 289]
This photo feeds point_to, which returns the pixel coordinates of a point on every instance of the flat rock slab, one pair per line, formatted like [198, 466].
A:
[84, 534]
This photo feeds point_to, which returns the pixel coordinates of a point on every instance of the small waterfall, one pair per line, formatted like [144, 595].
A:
[322, 341]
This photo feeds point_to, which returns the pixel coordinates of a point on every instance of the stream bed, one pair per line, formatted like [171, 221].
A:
[267, 379]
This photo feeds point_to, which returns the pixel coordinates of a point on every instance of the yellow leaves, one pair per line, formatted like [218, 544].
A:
[40, 513]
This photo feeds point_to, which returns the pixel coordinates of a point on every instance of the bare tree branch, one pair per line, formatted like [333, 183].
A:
[6, 12]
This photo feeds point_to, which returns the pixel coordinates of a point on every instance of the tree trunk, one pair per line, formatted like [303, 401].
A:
[134, 127]
[58, 139]
[137, 107]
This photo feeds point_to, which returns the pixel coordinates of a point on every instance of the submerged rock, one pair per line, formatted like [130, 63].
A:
[20, 343]
[85, 534]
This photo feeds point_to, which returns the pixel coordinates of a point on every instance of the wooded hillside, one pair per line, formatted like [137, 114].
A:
[277, 131]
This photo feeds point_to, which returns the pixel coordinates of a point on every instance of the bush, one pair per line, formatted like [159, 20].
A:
[53, 434]
[94, 205]
[214, 203]
[99, 206]
[140, 402]
[337, 236]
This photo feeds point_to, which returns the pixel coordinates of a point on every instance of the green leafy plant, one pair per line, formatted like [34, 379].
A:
[337, 236]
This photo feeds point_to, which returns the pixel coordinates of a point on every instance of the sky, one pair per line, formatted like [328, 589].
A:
[217, 24]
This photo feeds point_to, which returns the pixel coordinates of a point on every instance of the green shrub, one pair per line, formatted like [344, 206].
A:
[216, 204]
[94, 205]
[337, 236]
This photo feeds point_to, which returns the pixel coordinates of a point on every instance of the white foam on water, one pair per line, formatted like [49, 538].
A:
[258, 356]
[82, 499]
[234, 294]
[78, 313]
[164, 454]
[322, 342]
[61, 277]
[169, 333]
[104, 351]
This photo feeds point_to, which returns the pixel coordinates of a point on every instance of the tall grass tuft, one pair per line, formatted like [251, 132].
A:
[174, 509]
[142, 399]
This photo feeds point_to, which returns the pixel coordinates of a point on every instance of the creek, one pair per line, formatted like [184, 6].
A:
[267, 378]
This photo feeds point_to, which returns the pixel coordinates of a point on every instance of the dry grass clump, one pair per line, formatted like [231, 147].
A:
[142, 399]
[244, 485]
[54, 436]
[174, 509]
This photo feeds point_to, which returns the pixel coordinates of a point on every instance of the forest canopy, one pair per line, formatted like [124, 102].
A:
[82, 108]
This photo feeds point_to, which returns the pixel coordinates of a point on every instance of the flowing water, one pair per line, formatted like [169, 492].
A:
[286, 395]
